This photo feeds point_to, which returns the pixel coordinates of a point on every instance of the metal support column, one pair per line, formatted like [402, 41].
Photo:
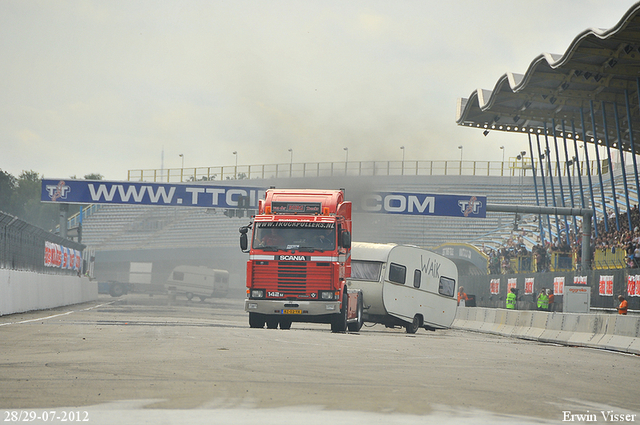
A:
[553, 192]
[544, 185]
[575, 147]
[611, 176]
[624, 172]
[569, 164]
[586, 156]
[535, 187]
[595, 142]
[64, 220]
[631, 141]
[559, 168]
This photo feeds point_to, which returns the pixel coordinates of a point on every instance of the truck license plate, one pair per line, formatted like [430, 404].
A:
[291, 311]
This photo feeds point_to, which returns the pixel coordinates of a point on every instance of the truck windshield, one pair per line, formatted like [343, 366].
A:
[301, 236]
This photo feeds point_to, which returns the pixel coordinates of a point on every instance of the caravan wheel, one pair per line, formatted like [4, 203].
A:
[357, 325]
[414, 326]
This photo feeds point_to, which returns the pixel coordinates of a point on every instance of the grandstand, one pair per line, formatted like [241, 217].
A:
[132, 230]
[116, 227]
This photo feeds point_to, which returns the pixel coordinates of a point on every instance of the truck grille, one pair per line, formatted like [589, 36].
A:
[293, 278]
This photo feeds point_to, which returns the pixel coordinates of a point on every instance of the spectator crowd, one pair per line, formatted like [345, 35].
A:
[570, 248]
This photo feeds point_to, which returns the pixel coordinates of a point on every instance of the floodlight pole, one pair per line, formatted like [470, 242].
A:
[586, 214]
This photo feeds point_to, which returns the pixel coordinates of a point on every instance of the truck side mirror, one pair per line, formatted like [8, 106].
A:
[244, 242]
[345, 239]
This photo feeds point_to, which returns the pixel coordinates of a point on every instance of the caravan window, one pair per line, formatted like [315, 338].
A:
[178, 275]
[397, 273]
[447, 286]
[417, 278]
[366, 270]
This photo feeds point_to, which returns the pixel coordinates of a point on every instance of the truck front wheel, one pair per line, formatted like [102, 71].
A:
[256, 320]
[285, 324]
[339, 321]
[272, 322]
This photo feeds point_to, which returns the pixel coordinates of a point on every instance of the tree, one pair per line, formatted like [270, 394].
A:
[21, 197]
[94, 176]
[7, 186]
[27, 205]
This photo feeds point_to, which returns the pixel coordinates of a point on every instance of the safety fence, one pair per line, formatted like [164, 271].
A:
[515, 167]
[26, 247]
[606, 284]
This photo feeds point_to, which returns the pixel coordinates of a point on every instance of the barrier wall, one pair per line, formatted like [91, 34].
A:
[611, 332]
[22, 291]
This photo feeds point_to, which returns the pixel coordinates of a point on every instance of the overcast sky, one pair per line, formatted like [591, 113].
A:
[108, 86]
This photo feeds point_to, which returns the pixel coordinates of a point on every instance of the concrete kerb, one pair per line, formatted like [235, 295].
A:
[583, 329]
[553, 328]
[538, 325]
[524, 322]
[500, 323]
[462, 318]
[511, 322]
[617, 333]
[625, 331]
[490, 324]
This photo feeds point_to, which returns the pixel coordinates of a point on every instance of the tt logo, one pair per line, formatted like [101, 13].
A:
[470, 207]
[59, 191]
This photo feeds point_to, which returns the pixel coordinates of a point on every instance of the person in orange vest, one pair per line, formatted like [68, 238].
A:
[462, 297]
[622, 308]
[550, 295]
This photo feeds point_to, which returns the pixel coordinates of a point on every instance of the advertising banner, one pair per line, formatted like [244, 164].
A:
[580, 280]
[605, 287]
[528, 285]
[137, 193]
[61, 257]
[633, 286]
[232, 197]
[558, 285]
[423, 204]
[511, 283]
[494, 286]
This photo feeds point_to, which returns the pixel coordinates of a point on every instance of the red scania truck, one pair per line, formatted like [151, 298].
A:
[299, 260]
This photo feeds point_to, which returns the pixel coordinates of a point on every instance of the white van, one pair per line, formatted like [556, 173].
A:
[198, 281]
[404, 285]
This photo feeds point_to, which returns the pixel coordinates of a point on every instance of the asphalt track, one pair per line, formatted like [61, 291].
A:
[141, 359]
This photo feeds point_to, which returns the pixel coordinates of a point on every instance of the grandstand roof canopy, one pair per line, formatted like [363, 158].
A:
[600, 68]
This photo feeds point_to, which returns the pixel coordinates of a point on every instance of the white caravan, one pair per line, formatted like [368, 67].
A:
[198, 281]
[404, 285]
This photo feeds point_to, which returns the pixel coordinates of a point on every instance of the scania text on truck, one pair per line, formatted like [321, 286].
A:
[299, 260]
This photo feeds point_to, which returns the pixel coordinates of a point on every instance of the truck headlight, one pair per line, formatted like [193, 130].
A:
[257, 293]
[326, 295]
